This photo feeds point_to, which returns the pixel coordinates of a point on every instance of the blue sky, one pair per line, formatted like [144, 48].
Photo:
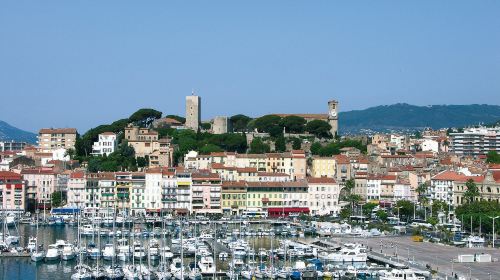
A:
[84, 63]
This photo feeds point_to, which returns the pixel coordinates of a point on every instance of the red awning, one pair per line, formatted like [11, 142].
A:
[280, 211]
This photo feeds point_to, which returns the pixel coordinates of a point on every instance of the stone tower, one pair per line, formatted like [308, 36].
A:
[333, 116]
[193, 112]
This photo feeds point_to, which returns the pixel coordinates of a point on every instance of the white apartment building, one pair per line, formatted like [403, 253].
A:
[105, 145]
[403, 191]
[442, 185]
[184, 198]
[373, 188]
[475, 141]
[76, 189]
[323, 196]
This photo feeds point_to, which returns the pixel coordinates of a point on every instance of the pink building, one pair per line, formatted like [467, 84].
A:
[12, 191]
[206, 193]
[43, 181]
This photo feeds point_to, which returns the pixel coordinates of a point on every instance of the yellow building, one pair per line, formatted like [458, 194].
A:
[323, 167]
[234, 197]
[262, 195]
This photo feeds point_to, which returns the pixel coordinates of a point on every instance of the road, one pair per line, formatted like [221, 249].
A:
[438, 256]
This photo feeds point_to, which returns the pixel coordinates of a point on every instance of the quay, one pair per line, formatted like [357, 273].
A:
[14, 255]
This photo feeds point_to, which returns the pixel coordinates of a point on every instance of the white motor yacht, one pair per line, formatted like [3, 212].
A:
[52, 253]
[68, 252]
[349, 253]
[206, 265]
[139, 251]
[31, 244]
[108, 252]
[123, 249]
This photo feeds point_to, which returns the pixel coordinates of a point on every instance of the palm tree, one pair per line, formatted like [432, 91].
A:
[421, 190]
[353, 200]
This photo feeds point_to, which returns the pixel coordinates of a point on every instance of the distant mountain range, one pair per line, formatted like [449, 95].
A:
[403, 116]
[10, 133]
[399, 116]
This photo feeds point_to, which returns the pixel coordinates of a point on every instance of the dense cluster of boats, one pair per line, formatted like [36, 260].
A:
[118, 248]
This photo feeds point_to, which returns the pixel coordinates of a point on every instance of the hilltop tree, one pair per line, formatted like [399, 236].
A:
[177, 118]
[293, 124]
[239, 122]
[209, 148]
[296, 143]
[258, 146]
[145, 117]
[319, 128]
[280, 144]
[268, 123]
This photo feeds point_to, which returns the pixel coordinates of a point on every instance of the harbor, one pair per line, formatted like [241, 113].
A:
[166, 248]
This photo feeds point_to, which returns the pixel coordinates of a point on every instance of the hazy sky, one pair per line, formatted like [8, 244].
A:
[84, 63]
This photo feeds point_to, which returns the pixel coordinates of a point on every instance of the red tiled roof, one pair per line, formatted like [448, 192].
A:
[9, 175]
[477, 179]
[494, 166]
[57, 130]
[77, 175]
[39, 170]
[246, 170]
[320, 180]
[210, 176]
[272, 174]
[216, 165]
[342, 159]
[449, 176]
[389, 177]
[218, 154]
[496, 176]
[234, 184]
[108, 133]
[396, 156]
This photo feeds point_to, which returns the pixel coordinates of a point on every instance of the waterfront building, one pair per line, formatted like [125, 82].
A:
[323, 196]
[441, 188]
[234, 197]
[206, 193]
[488, 186]
[76, 189]
[134, 187]
[12, 191]
[184, 198]
[43, 181]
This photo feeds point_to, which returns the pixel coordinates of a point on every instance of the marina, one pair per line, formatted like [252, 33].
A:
[154, 248]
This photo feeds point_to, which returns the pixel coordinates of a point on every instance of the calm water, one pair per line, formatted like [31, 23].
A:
[23, 268]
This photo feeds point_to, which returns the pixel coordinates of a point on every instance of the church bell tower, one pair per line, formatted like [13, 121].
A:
[333, 117]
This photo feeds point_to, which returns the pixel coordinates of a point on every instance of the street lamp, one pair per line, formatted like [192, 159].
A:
[494, 218]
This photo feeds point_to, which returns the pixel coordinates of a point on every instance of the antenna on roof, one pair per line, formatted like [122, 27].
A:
[192, 91]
